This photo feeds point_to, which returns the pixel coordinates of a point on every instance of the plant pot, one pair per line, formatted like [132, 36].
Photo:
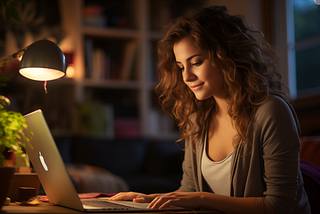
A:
[23, 180]
[6, 175]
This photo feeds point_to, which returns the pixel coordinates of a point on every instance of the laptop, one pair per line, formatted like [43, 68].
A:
[53, 175]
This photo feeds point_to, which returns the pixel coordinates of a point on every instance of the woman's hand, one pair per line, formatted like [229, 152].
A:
[181, 199]
[132, 196]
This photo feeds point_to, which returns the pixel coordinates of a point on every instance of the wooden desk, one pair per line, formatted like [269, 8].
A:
[45, 208]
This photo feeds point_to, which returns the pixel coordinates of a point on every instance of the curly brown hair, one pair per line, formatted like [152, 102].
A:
[247, 61]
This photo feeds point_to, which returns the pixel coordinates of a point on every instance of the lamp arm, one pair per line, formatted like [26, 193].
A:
[17, 55]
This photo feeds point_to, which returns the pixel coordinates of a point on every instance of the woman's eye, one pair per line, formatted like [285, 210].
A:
[197, 63]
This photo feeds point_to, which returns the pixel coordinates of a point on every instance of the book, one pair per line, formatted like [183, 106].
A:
[93, 16]
[101, 65]
[97, 120]
[129, 52]
[106, 67]
[109, 117]
[126, 127]
[88, 57]
[98, 63]
[98, 58]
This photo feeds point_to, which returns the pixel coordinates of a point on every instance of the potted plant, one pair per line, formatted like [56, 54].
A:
[12, 125]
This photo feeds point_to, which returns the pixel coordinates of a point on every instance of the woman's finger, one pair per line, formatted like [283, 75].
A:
[142, 199]
[167, 204]
[153, 202]
[160, 202]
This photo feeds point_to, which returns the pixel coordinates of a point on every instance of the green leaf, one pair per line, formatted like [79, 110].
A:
[12, 127]
[3, 80]
[12, 12]
[10, 8]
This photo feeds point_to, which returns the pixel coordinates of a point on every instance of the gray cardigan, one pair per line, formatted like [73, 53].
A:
[269, 168]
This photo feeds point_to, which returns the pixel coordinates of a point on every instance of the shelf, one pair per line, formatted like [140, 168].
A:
[154, 35]
[63, 81]
[112, 84]
[111, 32]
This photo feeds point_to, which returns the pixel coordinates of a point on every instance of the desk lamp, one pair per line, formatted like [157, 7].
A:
[43, 61]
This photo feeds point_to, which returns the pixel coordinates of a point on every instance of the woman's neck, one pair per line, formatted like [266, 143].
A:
[221, 107]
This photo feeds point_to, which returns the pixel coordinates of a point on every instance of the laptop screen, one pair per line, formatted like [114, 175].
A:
[48, 164]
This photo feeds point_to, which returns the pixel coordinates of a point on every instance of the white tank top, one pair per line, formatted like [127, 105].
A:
[216, 174]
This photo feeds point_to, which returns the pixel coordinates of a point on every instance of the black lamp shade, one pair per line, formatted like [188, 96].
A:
[43, 61]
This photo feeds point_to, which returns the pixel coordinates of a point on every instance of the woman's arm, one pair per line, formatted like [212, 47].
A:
[196, 200]
[211, 201]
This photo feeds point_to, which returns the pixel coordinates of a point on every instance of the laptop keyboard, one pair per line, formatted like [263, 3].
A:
[106, 205]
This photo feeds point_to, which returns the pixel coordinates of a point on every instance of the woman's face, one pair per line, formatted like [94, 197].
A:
[197, 72]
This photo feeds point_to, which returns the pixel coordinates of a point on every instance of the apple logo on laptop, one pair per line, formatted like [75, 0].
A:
[43, 162]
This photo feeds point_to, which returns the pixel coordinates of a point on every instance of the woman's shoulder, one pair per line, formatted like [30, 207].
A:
[274, 103]
[275, 111]
[275, 107]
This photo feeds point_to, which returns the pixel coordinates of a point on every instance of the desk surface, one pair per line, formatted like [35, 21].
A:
[44, 208]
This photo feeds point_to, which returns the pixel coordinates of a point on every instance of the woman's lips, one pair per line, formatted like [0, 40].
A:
[196, 87]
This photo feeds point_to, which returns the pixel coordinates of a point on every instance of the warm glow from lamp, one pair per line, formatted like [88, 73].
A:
[41, 74]
[43, 61]
[70, 71]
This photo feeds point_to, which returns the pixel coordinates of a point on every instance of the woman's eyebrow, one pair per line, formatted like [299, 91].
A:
[191, 57]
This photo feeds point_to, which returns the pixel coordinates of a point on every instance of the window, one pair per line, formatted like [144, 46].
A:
[305, 45]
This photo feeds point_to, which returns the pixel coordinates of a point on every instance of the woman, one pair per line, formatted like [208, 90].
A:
[218, 78]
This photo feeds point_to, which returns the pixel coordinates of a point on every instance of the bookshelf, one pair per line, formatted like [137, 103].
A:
[129, 47]
[111, 91]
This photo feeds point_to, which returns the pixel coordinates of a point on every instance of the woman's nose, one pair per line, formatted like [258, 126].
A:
[188, 75]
